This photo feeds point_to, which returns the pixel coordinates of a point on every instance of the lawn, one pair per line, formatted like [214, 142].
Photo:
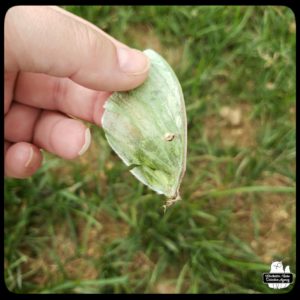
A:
[88, 226]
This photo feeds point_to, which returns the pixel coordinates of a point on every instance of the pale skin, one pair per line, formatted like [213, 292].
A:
[59, 70]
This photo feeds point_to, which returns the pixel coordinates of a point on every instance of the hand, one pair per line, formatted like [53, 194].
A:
[58, 65]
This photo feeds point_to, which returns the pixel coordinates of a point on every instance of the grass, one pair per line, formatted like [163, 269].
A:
[86, 226]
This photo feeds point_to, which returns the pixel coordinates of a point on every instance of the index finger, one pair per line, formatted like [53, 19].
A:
[62, 94]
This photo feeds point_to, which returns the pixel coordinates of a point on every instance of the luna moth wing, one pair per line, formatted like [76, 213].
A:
[147, 128]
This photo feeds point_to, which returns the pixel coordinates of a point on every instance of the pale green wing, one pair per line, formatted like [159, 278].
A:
[147, 128]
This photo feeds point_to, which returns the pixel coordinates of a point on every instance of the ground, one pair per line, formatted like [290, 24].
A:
[88, 226]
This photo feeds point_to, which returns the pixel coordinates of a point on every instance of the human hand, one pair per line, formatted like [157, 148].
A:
[58, 65]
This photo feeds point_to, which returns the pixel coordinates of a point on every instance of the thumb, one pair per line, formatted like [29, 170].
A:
[47, 40]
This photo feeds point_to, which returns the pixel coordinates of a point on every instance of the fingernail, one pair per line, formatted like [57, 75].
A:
[133, 61]
[30, 157]
[87, 142]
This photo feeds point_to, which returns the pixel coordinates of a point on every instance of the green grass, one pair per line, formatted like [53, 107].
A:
[87, 226]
